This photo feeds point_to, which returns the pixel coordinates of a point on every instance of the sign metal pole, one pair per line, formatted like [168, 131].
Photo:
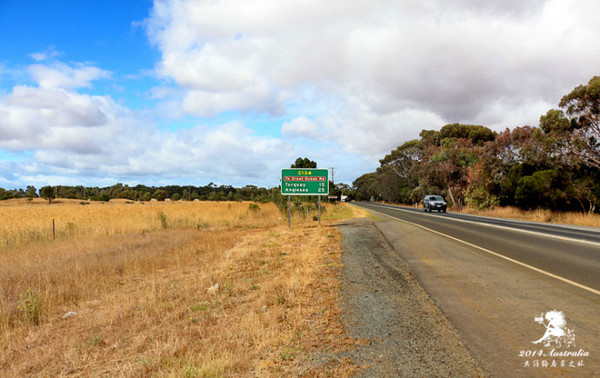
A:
[319, 211]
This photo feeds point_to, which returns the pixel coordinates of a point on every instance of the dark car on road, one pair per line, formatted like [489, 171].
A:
[434, 203]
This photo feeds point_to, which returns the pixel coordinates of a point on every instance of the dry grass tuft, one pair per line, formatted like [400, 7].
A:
[221, 290]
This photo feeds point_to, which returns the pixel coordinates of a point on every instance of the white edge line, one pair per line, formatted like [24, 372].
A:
[507, 228]
[573, 283]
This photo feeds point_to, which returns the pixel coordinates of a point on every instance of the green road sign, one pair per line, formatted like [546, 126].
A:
[304, 182]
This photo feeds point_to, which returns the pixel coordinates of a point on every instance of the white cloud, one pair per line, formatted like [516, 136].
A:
[70, 135]
[49, 53]
[507, 113]
[60, 75]
[300, 127]
[227, 153]
[385, 61]
[32, 118]
[253, 97]
[347, 81]
[370, 134]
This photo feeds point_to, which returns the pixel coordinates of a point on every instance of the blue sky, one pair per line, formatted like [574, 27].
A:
[92, 31]
[106, 34]
[198, 91]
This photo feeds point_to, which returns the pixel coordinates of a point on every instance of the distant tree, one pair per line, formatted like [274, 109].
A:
[476, 133]
[367, 187]
[48, 192]
[146, 197]
[452, 160]
[131, 194]
[511, 148]
[404, 159]
[160, 194]
[304, 163]
[31, 192]
[215, 196]
[176, 197]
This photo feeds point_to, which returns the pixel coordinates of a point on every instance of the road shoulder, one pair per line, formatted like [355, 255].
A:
[384, 304]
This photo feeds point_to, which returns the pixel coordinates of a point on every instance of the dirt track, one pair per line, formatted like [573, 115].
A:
[384, 304]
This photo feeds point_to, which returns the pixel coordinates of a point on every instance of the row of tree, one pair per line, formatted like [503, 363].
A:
[210, 192]
[555, 165]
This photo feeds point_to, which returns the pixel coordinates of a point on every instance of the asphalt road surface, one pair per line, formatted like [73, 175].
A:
[505, 285]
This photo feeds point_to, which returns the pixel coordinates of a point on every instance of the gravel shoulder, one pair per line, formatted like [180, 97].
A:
[383, 304]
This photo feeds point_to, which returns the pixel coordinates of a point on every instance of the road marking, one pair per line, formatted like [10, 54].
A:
[552, 275]
[502, 227]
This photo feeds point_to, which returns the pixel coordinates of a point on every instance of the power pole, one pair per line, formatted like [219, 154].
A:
[333, 177]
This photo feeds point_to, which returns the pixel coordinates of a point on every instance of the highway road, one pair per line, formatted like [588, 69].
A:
[567, 252]
[494, 279]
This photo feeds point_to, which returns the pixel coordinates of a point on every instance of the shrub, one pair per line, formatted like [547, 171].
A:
[163, 219]
[480, 199]
[101, 198]
[30, 305]
[253, 207]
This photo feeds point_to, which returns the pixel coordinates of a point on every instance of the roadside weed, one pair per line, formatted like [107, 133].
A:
[30, 305]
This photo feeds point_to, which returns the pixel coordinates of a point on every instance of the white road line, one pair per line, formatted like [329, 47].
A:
[573, 283]
[563, 238]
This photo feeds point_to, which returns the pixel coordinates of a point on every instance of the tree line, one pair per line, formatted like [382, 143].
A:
[555, 165]
[210, 192]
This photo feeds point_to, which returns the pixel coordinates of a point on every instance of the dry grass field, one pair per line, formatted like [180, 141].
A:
[168, 289]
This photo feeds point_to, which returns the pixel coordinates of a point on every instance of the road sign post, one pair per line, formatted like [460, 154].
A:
[304, 182]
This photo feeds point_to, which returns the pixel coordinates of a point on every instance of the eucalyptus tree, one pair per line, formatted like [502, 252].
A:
[576, 130]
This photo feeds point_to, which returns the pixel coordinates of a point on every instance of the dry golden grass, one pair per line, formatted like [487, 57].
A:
[344, 211]
[142, 293]
[24, 221]
[548, 216]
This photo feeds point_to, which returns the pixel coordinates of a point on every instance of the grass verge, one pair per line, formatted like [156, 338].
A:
[540, 215]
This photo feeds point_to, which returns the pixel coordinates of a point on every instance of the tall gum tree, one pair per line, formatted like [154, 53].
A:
[577, 137]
